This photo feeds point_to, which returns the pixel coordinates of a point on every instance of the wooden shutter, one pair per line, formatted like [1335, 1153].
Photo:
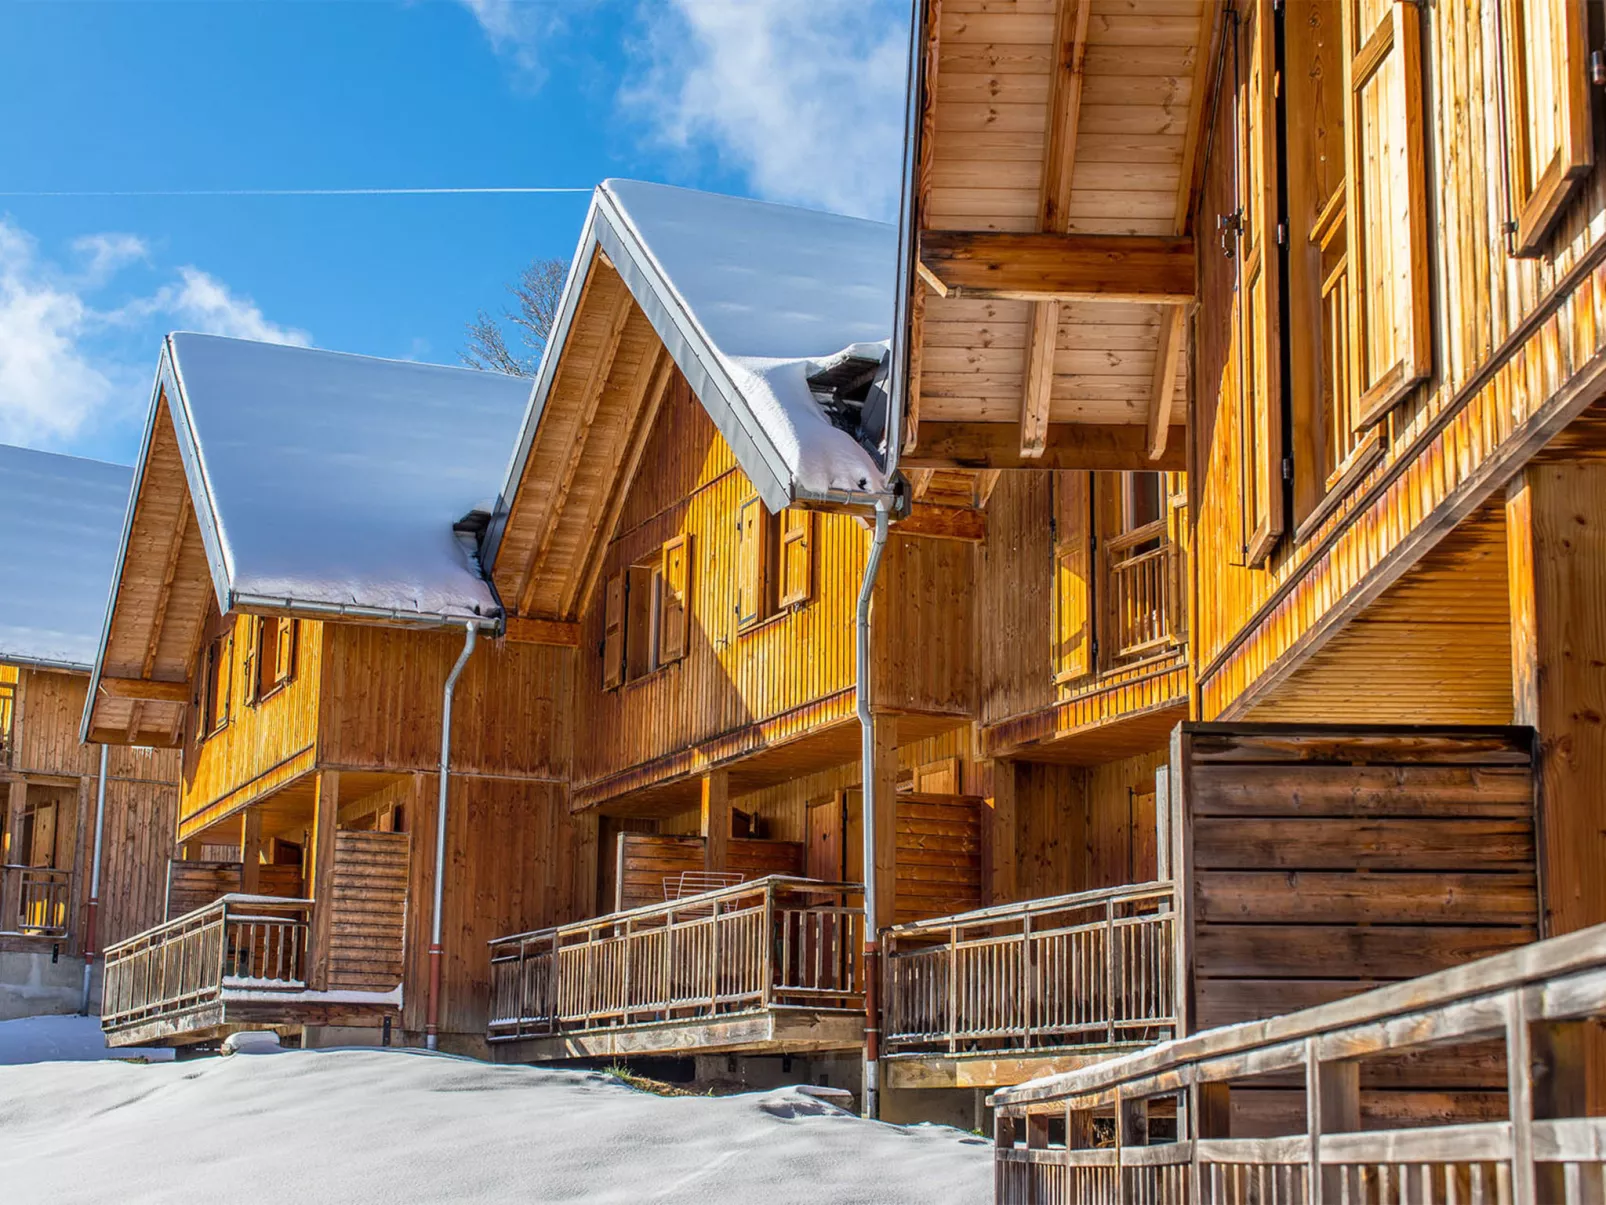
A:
[1547, 111]
[287, 635]
[796, 556]
[1260, 372]
[225, 678]
[1072, 651]
[750, 562]
[675, 613]
[613, 632]
[251, 664]
[1386, 202]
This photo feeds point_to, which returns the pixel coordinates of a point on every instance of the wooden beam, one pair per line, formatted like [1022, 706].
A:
[1058, 267]
[1099, 446]
[624, 306]
[251, 851]
[986, 482]
[320, 879]
[524, 630]
[943, 523]
[716, 819]
[657, 375]
[142, 688]
[920, 482]
[1039, 381]
[1163, 388]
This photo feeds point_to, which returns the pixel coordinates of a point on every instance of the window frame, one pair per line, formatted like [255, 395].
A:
[1535, 204]
[217, 685]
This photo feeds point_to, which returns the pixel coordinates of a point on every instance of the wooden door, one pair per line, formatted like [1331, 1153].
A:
[852, 835]
[823, 857]
[1144, 841]
[43, 852]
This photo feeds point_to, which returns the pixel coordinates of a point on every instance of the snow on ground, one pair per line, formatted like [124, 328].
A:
[71, 1038]
[383, 1126]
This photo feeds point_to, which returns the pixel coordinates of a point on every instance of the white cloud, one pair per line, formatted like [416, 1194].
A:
[68, 365]
[49, 387]
[519, 29]
[203, 303]
[806, 99]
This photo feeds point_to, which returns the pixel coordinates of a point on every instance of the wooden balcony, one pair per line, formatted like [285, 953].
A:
[1532, 1009]
[770, 966]
[1004, 994]
[239, 962]
[38, 900]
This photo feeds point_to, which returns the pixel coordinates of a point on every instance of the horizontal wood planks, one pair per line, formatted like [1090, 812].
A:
[649, 863]
[1319, 862]
[939, 855]
[192, 885]
[369, 911]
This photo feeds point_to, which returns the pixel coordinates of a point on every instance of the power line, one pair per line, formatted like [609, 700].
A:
[287, 192]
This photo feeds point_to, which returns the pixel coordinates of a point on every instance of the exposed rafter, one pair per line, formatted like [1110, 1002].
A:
[1058, 267]
[1167, 355]
[1098, 446]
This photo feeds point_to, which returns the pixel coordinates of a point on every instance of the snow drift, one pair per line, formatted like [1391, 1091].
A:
[383, 1126]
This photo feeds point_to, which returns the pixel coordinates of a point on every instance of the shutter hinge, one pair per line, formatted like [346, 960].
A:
[1288, 468]
[1597, 68]
[1230, 226]
[1282, 234]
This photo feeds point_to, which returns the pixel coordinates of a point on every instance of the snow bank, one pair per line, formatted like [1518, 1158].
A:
[59, 545]
[774, 290]
[383, 1126]
[336, 478]
[71, 1039]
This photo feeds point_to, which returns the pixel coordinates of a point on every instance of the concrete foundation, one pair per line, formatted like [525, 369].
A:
[326, 1037]
[32, 984]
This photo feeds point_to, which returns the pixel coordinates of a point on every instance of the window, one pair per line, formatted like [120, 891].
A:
[1386, 219]
[1546, 94]
[774, 561]
[217, 684]
[647, 614]
[8, 695]
[270, 655]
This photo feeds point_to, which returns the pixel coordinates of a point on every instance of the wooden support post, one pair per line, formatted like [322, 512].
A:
[1003, 872]
[320, 877]
[251, 851]
[1559, 1087]
[1131, 1129]
[11, 902]
[716, 820]
[886, 819]
[1332, 1106]
[1210, 1114]
[1556, 559]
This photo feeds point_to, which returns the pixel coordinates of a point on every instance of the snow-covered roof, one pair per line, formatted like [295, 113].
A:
[750, 298]
[58, 548]
[331, 482]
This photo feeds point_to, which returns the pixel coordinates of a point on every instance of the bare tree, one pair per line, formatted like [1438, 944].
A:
[536, 294]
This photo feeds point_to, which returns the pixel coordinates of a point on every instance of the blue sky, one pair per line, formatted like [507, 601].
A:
[770, 98]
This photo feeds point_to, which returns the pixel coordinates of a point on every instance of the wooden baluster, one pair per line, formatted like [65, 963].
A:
[952, 962]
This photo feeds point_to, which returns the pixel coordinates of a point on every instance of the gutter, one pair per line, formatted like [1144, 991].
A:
[432, 1022]
[339, 611]
[94, 880]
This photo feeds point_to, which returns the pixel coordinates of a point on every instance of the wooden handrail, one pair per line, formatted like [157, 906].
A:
[1537, 1001]
[1049, 903]
[1155, 530]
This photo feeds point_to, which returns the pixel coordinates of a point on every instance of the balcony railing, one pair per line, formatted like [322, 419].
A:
[772, 942]
[1539, 1002]
[249, 942]
[1084, 970]
[39, 899]
[1145, 596]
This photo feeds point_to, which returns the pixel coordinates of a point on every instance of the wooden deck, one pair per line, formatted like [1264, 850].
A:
[773, 965]
[238, 963]
[1533, 1004]
[1005, 994]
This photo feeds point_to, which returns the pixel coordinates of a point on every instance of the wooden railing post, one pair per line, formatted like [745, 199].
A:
[767, 947]
[1131, 1129]
[1210, 1114]
[1029, 985]
[953, 990]
[713, 961]
[1109, 970]
[1332, 1106]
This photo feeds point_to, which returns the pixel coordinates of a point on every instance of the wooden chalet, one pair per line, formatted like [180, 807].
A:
[1386, 402]
[297, 598]
[74, 817]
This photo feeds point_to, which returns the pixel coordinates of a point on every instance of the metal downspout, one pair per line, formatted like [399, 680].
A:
[431, 1028]
[872, 938]
[94, 881]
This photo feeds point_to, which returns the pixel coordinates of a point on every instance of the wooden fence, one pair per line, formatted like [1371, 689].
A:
[776, 941]
[250, 942]
[1090, 969]
[1093, 1136]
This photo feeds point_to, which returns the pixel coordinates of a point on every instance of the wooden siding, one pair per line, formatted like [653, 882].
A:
[381, 703]
[1320, 862]
[790, 675]
[264, 745]
[647, 861]
[1518, 346]
[136, 842]
[369, 911]
[515, 860]
[192, 885]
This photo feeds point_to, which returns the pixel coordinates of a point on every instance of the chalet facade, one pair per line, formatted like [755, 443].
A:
[86, 831]
[292, 613]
